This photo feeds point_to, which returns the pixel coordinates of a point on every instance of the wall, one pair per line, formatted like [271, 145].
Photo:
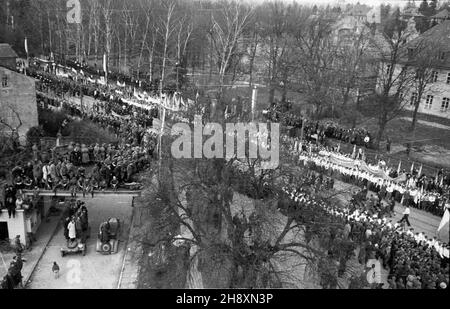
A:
[20, 95]
[439, 90]
[16, 226]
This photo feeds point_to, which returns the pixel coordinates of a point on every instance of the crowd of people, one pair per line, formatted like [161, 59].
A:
[75, 221]
[412, 260]
[13, 277]
[82, 169]
[86, 168]
[320, 131]
[411, 189]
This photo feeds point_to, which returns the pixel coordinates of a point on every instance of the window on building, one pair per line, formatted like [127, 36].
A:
[434, 76]
[429, 101]
[4, 81]
[445, 104]
[442, 55]
[410, 52]
[413, 98]
[448, 78]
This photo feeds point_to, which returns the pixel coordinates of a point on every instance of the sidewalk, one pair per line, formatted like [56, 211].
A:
[44, 235]
[133, 252]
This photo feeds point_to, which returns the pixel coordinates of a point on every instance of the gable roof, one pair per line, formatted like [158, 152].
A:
[435, 40]
[444, 14]
[438, 34]
[6, 51]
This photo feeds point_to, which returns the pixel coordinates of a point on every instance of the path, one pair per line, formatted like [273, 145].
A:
[420, 220]
[32, 257]
[428, 123]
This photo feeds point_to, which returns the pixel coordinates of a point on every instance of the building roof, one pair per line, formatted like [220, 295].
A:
[439, 34]
[6, 51]
[444, 14]
[437, 40]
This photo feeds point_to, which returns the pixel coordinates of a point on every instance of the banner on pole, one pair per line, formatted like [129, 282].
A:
[445, 220]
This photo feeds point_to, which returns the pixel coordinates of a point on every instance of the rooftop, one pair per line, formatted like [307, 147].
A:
[444, 14]
[436, 39]
[6, 51]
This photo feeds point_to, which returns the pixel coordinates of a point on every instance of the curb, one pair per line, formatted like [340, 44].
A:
[119, 283]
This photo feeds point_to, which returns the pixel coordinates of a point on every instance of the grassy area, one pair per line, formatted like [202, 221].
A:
[398, 131]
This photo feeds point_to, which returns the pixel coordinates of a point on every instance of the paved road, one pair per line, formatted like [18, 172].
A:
[94, 270]
[420, 220]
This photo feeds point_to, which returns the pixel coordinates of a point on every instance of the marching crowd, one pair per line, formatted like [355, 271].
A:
[411, 189]
[413, 260]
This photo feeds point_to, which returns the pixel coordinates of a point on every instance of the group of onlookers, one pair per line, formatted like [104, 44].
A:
[412, 260]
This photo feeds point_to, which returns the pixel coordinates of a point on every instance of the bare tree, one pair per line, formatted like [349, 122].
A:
[423, 58]
[166, 30]
[395, 78]
[146, 7]
[227, 27]
[11, 120]
[107, 10]
[317, 55]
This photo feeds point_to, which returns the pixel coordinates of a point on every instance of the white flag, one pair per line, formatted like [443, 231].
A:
[104, 63]
[26, 45]
[445, 220]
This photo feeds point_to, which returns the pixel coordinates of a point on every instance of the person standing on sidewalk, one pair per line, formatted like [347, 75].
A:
[405, 217]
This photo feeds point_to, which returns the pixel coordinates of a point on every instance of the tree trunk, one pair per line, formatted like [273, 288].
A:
[49, 32]
[416, 110]
[382, 126]
[142, 47]
[271, 94]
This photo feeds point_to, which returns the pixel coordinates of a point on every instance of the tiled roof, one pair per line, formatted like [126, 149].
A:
[439, 34]
[438, 39]
[6, 51]
[442, 14]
